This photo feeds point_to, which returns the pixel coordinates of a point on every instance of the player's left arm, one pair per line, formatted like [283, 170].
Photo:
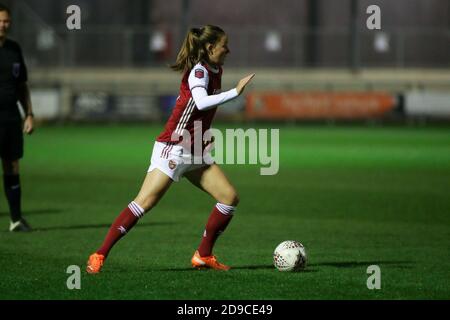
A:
[25, 101]
[205, 101]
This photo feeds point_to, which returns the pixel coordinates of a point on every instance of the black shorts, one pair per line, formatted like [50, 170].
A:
[11, 141]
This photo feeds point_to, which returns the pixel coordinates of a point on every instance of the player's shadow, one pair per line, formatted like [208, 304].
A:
[33, 212]
[268, 267]
[357, 264]
[314, 267]
[250, 267]
[97, 226]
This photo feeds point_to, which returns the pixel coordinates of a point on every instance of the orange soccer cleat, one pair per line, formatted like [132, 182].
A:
[207, 262]
[95, 263]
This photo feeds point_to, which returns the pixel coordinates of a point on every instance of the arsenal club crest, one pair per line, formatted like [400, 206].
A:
[16, 70]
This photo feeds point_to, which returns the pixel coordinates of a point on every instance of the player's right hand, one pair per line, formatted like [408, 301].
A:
[28, 125]
[243, 82]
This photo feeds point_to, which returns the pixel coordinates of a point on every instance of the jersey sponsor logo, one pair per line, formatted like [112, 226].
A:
[16, 69]
[199, 73]
[172, 164]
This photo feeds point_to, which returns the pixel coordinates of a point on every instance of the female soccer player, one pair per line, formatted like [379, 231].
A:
[200, 60]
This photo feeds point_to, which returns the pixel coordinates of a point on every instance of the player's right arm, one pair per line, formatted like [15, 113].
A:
[24, 96]
[25, 101]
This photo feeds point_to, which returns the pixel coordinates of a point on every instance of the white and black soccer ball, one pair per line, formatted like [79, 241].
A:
[290, 255]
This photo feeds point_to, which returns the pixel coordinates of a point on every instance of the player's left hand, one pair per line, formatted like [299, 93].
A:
[28, 125]
[243, 82]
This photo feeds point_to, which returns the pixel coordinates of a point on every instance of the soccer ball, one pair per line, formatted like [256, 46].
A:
[289, 255]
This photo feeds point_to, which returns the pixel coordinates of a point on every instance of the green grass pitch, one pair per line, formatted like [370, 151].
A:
[355, 196]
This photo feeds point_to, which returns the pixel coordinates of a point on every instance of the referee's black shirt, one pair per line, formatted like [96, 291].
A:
[12, 72]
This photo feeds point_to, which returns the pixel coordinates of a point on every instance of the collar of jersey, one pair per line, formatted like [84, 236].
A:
[210, 68]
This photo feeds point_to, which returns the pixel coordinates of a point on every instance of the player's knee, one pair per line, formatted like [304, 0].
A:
[146, 204]
[10, 167]
[231, 198]
[235, 200]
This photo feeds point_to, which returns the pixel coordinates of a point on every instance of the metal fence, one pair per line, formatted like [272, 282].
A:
[250, 47]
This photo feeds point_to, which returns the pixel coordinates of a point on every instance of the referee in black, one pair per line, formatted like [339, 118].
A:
[13, 88]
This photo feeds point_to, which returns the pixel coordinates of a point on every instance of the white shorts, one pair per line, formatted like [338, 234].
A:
[174, 161]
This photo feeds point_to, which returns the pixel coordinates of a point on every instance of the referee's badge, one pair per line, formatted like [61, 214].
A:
[16, 70]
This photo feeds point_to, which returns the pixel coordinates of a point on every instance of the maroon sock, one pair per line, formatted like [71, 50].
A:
[123, 224]
[216, 224]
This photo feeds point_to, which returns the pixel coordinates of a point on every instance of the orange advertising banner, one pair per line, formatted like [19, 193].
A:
[318, 105]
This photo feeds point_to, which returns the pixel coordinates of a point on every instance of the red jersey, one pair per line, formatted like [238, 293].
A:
[185, 112]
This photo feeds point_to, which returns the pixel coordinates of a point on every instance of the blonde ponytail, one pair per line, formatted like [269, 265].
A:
[193, 49]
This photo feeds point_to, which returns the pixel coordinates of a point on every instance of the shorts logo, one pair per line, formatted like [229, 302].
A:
[199, 73]
[172, 164]
[16, 70]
